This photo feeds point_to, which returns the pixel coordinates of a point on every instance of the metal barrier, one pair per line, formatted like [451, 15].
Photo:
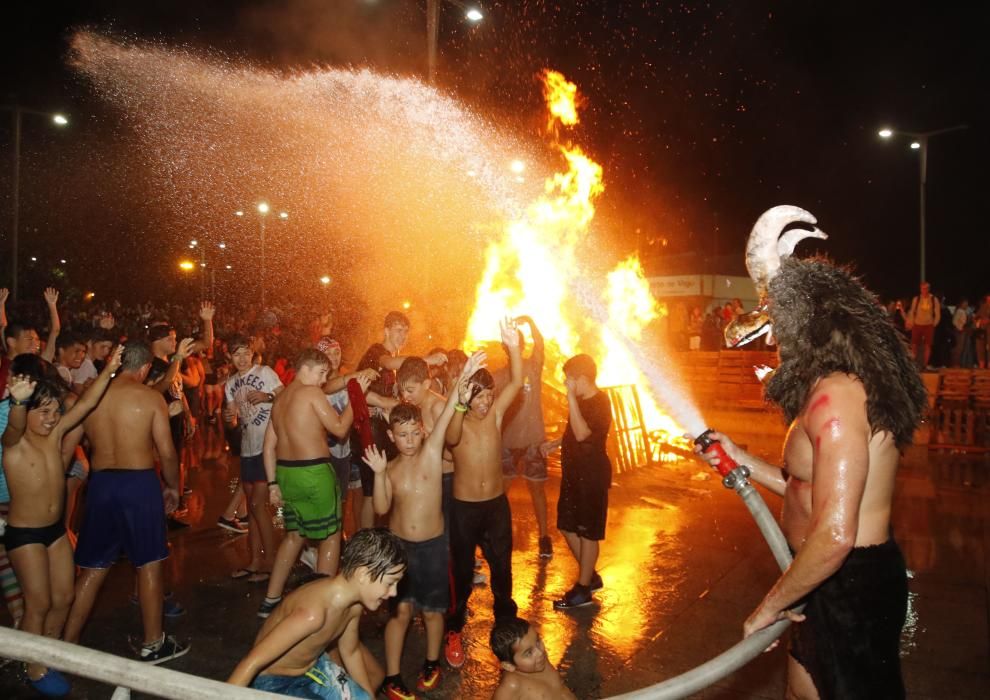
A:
[118, 671]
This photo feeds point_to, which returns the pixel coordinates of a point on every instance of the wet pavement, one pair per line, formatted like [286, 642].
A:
[683, 565]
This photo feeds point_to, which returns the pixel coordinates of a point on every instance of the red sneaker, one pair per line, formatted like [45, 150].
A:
[453, 650]
[429, 677]
[396, 690]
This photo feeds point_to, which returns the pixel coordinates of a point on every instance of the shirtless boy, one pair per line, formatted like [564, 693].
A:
[126, 504]
[528, 675]
[415, 381]
[300, 476]
[480, 514]
[290, 653]
[410, 487]
[35, 535]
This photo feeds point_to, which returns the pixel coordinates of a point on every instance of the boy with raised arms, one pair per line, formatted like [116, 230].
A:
[290, 656]
[479, 513]
[410, 487]
[35, 534]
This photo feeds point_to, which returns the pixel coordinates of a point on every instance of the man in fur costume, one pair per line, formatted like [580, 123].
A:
[853, 398]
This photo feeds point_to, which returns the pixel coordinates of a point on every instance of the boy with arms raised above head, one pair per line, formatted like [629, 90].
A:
[528, 674]
[479, 514]
[410, 486]
[300, 475]
[290, 653]
[35, 535]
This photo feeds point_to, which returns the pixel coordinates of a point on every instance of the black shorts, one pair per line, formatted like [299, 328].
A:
[583, 505]
[253, 469]
[426, 583]
[14, 537]
[850, 641]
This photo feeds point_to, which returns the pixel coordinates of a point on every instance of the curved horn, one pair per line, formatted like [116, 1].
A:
[762, 253]
[787, 242]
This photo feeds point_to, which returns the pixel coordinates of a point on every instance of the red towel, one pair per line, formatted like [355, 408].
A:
[362, 418]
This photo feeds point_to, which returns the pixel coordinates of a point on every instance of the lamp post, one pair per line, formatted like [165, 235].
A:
[920, 143]
[59, 120]
[472, 14]
[263, 210]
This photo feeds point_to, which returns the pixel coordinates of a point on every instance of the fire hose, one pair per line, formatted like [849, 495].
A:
[734, 476]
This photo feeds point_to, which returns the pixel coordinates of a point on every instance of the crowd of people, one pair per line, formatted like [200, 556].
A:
[97, 418]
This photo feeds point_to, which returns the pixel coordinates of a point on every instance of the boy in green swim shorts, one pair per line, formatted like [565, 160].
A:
[300, 477]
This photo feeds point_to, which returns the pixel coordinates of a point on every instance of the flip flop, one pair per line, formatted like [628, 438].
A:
[259, 577]
[243, 573]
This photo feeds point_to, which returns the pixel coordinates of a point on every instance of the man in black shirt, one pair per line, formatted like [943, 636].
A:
[586, 476]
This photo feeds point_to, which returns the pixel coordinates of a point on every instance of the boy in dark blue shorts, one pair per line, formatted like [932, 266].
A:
[586, 476]
[409, 488]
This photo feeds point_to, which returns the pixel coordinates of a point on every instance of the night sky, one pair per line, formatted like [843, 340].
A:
[702, 114]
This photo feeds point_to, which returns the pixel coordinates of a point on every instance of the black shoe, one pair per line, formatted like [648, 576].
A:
[166, 650]
[546, 548]
[577, 597]
[268, 606]
[596, 583]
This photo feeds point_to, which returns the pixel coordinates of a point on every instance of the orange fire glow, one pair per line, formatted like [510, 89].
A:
[528, 267]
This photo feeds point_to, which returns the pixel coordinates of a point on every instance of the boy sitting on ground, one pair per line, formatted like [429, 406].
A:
[410, 486]
[527, 672]
[290, 653]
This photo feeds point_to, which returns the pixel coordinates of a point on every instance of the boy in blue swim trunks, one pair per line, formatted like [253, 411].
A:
[35, 534]
[290, 653]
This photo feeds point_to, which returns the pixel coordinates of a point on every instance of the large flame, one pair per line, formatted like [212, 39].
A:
[528, 268]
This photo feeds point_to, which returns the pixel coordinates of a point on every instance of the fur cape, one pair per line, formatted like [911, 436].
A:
[826, 321]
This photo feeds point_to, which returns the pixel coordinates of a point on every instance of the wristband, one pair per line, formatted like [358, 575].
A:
[272, 483]
[460, 407]
[19, 402]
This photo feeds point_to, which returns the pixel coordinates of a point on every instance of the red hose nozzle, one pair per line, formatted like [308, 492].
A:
[711, 446]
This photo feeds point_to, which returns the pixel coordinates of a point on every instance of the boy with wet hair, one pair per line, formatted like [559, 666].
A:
[290, 656]
[586, 476]
[410, 487]
[527, 674]
[479, 514]
[35, 534]
[300, 476]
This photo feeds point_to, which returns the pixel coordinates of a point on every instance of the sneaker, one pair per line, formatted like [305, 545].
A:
[429, 677]
[234, 525]
[479, 578]
[166, 650]
[394, 689]
[596, 583]
[453, 650]
[546, 547]
[267, 606]
[52, 684]
[308, 557]
[577, 597]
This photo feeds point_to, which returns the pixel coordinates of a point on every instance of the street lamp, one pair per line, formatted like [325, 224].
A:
[17, 111]
[472, 14]
[920, 143]
[263, 209]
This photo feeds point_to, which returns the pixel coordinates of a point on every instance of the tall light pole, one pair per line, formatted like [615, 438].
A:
[263, 209]
[472, 14]
[17, 111]
[920, 143]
